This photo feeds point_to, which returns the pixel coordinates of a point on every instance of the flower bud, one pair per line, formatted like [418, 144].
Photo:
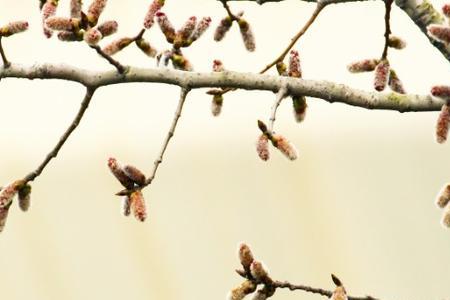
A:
[299, 107]
[262, 147]
[245, 256]
[216, 105]
[7, 193]
[381, 75]
[395, 83]
[446, 218]
[117, 46]
[107, 28]
[218, 66]
[439, 32]
[223, 28]
[443, 198]
[95, 10]
[247, 35]
[13, 28]
[92, 36]
[146, 47]
[134, 174]
[3, 216]
[154, 7]
[239, 293]
[442, 124]
[62, 24]
[166, 27]
[282, 144]
[396, 42]
[138, 206]
[187, 29]
[441, 91]
[366, 65]
[119, 173]
[25, 197]
[48, 10]
[75, 9]
[294, 65]
[259, 271]
[126, 205]
[202, 26]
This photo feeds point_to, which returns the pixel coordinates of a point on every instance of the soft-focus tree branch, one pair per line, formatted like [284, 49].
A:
[328, 91]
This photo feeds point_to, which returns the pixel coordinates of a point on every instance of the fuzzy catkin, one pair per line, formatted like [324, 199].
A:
[442, 124]
[381, 75]
[138, 206]
[117, 45]
[443, 198]
[262, 147]
[222, 29]
[154, 7]
[247, 35]
[365, 65]
[107, 28]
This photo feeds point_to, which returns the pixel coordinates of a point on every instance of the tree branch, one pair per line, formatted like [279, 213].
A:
[83, 107]
[329, 91]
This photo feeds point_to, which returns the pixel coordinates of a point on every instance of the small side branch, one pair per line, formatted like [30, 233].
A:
[183, 94]
[54, 152]
[121, 69]
[387, 24]
[6, 63]
[282, 93]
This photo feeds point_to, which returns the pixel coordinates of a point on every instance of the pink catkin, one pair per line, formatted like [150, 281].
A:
[442, 124]
[95, 10]
[165, 25]
[75, 8]
[202, 26]
[439, 32]
[446, 10]
[154, 7]
[3, 216]
[381, 75]
[92, 36]
[245, 256]
[119, 173]
[146, 47]
[48, 10]
[294, 69]
[69, 36]
[62, 24]
[222, 29]
[138, 206]
[366, 65]
[13, 28]
[247, 35]
[8, 193]
[285, 147]
[217, 66]
[262, 147]
[441, 91]
[107, 28]
[117, 45]
[187, 29]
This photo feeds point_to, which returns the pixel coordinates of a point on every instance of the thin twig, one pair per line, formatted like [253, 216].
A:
[183, 94]
[325, 293]
[6, 63]
[282, 93]
[54, 152]
[227, 8]
[121, 69]
[387, 24]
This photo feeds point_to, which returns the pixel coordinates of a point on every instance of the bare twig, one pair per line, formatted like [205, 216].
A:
[121, 69]
[387, 24]
[6, 63]
[282, 93]
[227, 8]
[54, 152]
[183, 94]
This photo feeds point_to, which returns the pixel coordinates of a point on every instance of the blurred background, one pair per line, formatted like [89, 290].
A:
[359, 201]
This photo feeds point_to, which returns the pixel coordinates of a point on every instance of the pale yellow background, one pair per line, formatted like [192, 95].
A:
[358, 202]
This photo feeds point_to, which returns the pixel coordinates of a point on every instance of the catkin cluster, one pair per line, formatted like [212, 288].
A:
[244, 27]
[277, 140]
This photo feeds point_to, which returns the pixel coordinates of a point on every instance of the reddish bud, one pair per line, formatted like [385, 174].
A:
[223, 28]
[146, 47]
[294, 65]
[107, 28]
[48, 10]
[259, 271]
[381, 75]
[262, 127]
[366, 65]
[166, 27]
[75, 8]
[134, 174]
[202, 26]
[299, 107]
[95, 10]
[282, 144]
[92, 36]
[441, 91]
[439, 32]
[262, 147]
[117, 45]
[138, 206]
[119, 173]
[13, 28]
[395, 83]
[247, 35]
[154, 7]
[443, 198]
[442, 124]
[244, 289]
[245, 256]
